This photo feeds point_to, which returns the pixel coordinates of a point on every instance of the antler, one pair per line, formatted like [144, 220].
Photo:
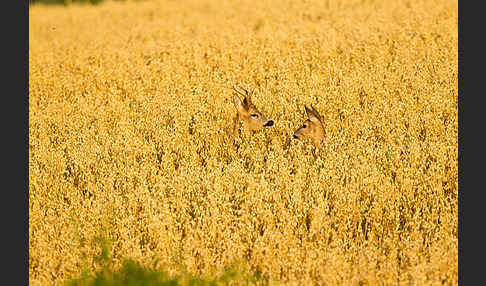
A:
[238, 91]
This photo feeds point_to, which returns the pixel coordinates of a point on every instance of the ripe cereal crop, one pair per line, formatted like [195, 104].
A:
[131, 115]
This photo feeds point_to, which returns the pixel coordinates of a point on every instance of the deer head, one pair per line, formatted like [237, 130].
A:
[312, 128]
[248, 114]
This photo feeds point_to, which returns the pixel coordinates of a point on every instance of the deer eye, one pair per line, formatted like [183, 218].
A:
[304, 126]
[254, 115]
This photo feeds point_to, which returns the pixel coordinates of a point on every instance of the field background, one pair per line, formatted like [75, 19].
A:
[130, 102]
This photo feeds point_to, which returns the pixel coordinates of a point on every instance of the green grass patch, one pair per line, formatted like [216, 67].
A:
[132, 273]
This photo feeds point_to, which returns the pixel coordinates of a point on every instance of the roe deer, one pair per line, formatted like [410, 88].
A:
[248, 114]
[312, 128]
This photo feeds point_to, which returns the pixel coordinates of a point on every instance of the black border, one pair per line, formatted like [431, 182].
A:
[15, 93]
[15, 191]
[470, 161]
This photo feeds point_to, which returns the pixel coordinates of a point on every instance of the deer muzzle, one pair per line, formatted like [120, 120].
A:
[269, 123]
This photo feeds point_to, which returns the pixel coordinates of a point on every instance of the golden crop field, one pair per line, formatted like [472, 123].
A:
[130, 108]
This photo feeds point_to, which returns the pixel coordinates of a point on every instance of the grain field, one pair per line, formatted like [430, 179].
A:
[130, 111]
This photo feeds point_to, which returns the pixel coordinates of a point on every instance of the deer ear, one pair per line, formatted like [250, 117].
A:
[240, 106]
[315, 113]
[308, 111]
[246, 101]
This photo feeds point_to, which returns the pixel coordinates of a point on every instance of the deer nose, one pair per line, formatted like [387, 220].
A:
[269, 123]
[295, 136]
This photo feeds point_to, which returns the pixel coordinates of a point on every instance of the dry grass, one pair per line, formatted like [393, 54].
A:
[129, 107]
